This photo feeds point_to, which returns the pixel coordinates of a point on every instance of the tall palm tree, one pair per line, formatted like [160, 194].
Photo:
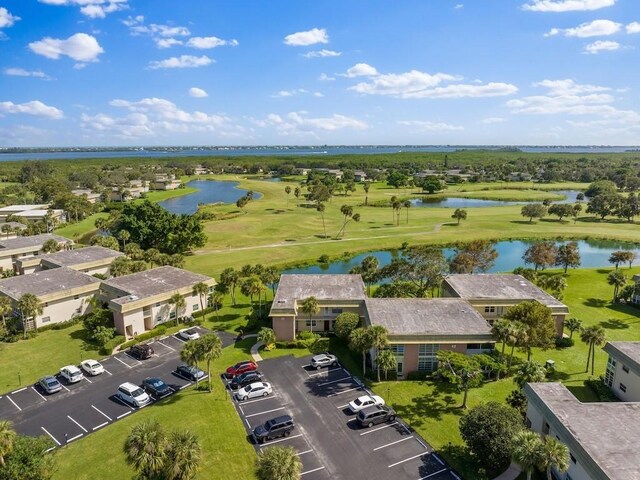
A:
[311, 307]
[178, 302]
[278, 463]
[321, 208]
[386, 359]
[7, 436]
[192, 354]
[573, 325]
[593, 336]
[618, 280]
[201, 289]
[145, 449]
[102, 224]
[287, 190]
[517, 336]
[526, 450]
[184, 454]
[407, 204]
[267, 336]
[211, 347]
[124, 236]
[7, 229]
[554, 455]
[397, 207]
[501, 330]
[530, 372]
[30, 307]
[6, 307]
[297, 193]
[360, 342]
[379, 340]
[366, 187]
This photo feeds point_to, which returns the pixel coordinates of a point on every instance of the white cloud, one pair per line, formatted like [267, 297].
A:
[183, 61]
[167, 42]
[633, 27]
[322, 53]
[289, 93]
[92, 8]
[197, 92]
[296, 123]
[597, 28]
[21, 72]
[34, 107]
[361, 70]
[325, 78]
[492, 120]
[568, 86]
[6, 19]
[137, 27]
[310, 37]
[318, 94]
[80, 47]
[566, 5]
[430, 126]
[601, 46]
[210, 42]
[459, 6]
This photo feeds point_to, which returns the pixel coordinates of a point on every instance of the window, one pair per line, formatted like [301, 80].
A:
[46, 319]
[573, 459]
[76, 297]
[625, 369]
[310, 323]
[46, 304]
[158, 304]
[427, 359]
[610, 373]
[397, 349]
[489, 309]
[79, 310]
[172, 316]
[336, 311]
[195, 307]
[500, 310]
[623, 387]
[545, 428]
[158, 318]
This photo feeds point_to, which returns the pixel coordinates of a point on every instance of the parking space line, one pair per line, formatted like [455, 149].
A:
[102, 413]
[108, 372]
[178, 338]
[124, 363]
[247, 422]
[99, 426]
[83, 429]
[181, 376]
[167, 346]
[334, 381]
[432, 474]
[343, 391]
[122, 402]
[454, 475]
[438, 459]
[324, 371]
[85, 378]
[258, 400]
[262, 413]
[54, 438]
[407, 459]
[124, 414]
[342, 406]
[393, 443]
[18, 391]
[379, 428]
[311, 471]
[34, 389]
[306, 451]
[14, 403]
[64, 387]
[74, 438]
[132, 357]
[278, 441]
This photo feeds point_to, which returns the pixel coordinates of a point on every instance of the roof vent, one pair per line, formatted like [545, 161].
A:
[132, 297]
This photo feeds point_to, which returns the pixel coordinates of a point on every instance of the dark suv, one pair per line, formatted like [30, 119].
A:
[245, 379]
[276, 427]
[373, 415]
[141, 351]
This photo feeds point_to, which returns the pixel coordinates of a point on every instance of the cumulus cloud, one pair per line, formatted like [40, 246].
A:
[310, 37]
[492, 120]
[183, 61]
[325, 78]
[6, 19]
[459, 6]
[597, 28]
[566, 5]
[167, 42]
[92, 8]
[138, 27]
[601, 46]
[80, 47]
[295, 123]
[322, 53]
[34, 107]
[568, 86]
[197, 92]
[289, 93]
[361, 70]
[21, 72]
[633, 27]
[209, 42]
[427, 126]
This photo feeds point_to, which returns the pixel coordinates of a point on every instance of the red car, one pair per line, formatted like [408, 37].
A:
[240, 367]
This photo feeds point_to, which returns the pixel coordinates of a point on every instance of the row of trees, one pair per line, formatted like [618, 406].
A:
[24, 457]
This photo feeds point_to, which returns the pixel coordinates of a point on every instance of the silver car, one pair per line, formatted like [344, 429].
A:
[324, 360]
[50, 384]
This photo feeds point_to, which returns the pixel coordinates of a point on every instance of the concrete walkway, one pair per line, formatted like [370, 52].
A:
[254, 349]
[510, 473]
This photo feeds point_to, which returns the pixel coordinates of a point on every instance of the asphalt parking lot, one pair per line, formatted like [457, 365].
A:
[89, 405]
[327, 437]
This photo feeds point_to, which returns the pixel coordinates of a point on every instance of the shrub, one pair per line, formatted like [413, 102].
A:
[564, 342]
[324, 258]
[418, 376]
[159, 330]
[60, 325]
[306, 335]
[108, 347]
[319, 346]
[603, 392]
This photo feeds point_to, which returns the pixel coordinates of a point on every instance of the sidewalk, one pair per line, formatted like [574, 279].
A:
[510, 473]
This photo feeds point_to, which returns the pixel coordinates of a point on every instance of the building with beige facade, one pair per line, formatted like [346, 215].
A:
[20, 248]
[90, 260]
[90, 195]
[493, 294]
[623, 370]
[140, 301]
[602, 437]
[64, 293]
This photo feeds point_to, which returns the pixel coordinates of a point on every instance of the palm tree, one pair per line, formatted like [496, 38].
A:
[201, 289]
[618, 280]
[145, 449]
[177, 300]
[407, 204]
[530, 372]
[379, 340]
[102, 224]
[7, 435]
[287, 190]
[278, 463]
[526, 450]
[192, 354]
[397, 207]
[124, 237]
[211, 347]
[360, 342]
[184, 454]
[366, 187]
[51, 246]
[6, 307]
[7, 229]
[386, 360]
[593, 336]
[30, 307]
[392, 201]
[573, 325]
[321, 208]
[152, 256]
[501, 330]
[267, 336]
[296, 193]
[518, 335]
[554, 455]
[310, 306]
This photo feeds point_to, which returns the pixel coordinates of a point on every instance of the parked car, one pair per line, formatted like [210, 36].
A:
[189, 333]
[142, 351]
[133, 395]
[244, 379]
[240, 367]
[258, 389]
[324, 360]
[71, 374]
[92, 367]
[371, 416]
[156, 387]
[190, 372]
[50, 384]
[365, 401]
[276, 427]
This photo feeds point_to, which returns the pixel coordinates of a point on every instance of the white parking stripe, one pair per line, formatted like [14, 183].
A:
[83, 429]
[266, 411]
[278, 441]
[343, 391]
[306, 451]
[85, 378]
[407, 459]
[247, 402]
[438, 459]
[74, 438]
[64, 387]
[132, 357]
[54, 438]
[122, 402]
[34, 389]
[247, 422]
[393, 443]
[379, 428]
[311, 471]
[100, 426]
[432, 474]
[102, 413]
[334, 381]
[14, 403]
[124, 414]
[20, 390]
[178, 338]
[454, 475]
[108, 371]
[167, 346]
[342, 406]
[124, 363]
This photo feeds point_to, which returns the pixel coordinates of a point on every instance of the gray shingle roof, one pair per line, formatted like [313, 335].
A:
[296, 287]
[31, 241]
[81, 255]
[627, 352]
[423, 316]
[46, 282]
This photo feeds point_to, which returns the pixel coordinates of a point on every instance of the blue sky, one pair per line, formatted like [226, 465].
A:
[295, 72]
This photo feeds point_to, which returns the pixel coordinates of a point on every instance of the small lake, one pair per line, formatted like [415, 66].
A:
[460, 202]
[209, 191]
[593, 253]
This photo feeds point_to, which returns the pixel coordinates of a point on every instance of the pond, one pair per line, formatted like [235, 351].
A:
[593, 253]
[460, 202]
[209, 191]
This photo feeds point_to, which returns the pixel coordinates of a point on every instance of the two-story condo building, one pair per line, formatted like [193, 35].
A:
[623, 370]
[90, 260]
[21, 247]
